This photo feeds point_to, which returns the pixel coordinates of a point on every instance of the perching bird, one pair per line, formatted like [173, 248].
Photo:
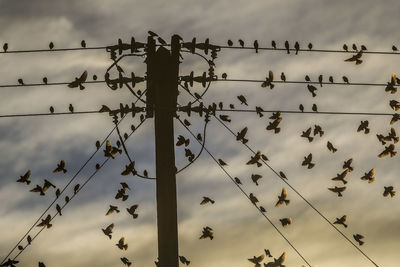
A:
[312, 89]
[66, 199]
[230, 43]
[257, 260]
[112, 209]
[297, 47]
[310, 46]
[83, 43]
[126, 261]
[58, 208]
[94, 77]
[314, 108]
[256, 46]
[207, 200]
[389, 150]
[71, 108]
[241, 42]
[29, 239]
[242, 100]
[45, 80]
[20, 81]
[369, 176]
[341, 176]
[307, 78]
[237, 180]
[301, 107]
[331, 147]
[282, 198]
[267, 253]
[356, 58]
[221, 162]
[25, 178]
[330, 79]
[389, 191]
[39, 189]
[320, 77]
[285, 221]
[5, 47]
[338, 190]
[255, 178]
[51, 45]
[76, 188]
[108, 230]
[345, 79]
[363, 47]
[253, 199]
[121, 244]
[307, 162]
[394, 48]
[259, 111]
[47, 185]
[60, 167]
[287, 47]
[225, 118]
[283, 77]
[10, 263]
[241, 135]
[45, 222]
[132, 210]
[183, 260]
[186, 122]
[273, 44]
[231, 106]
[306, 134]
[207, 233]
[354, 47]
[358, 237]
[318, 130]
[363, 127]
[51, 109]
[262, 209]
[282, 175]
[58, 193]
[347, 165]
[341, 221]
[79, 81]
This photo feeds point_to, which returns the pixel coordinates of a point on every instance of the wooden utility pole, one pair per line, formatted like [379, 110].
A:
[162, 92]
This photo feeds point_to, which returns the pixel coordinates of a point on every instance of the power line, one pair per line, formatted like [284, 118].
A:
[53, 50]
[44, 84]
[244, 192]
[303, 82]
[49, 114]
[300, 195]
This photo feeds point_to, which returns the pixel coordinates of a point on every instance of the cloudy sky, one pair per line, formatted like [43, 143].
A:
[38, 143]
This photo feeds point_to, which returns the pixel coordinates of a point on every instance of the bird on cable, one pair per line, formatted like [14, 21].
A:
[363, 127]
[207, 200]
[369, 176]
[285, 221]
[51, 45]
[257, 260]
[130, 168]
[45, 222]
[320, 77]
[242, 100]
[268, 80]
[306, 134]
[259, 111]
[331, 147]
[273, 44]
[112, 209]
[282, 198]
[314, 108]
[199, 137]
[253, 199]
[354, 47]
[287, 47]
[94, 77]
[108, 230]
[76, 189]
[307, 162]
[45, 80]
[256, 46]
[221, 162]
[318, 130]
[330, 79]
[51, 109]
[83, 43]
[283, 77]
[25, 178]
[358, 237]
[312, 89]
[20, 247]
[121, 244]
[394, 48]
[221, 105]
[282, 175]
[145, 173]
[237, 180]
[389, 150]
[126, 261]
[182, 141]
[78, 82]
[307, 78]
[183, 260]
[255, 178]
[241, 135]
[132, 210]
[356, 58]
[207, 232]
[224, 76]
[262, 209]
[225, 118]
[241, 42]
[256, 158]
[29, 239]
[5, 47]
[121, 194]
[390, 85]
[274, 126]
[301, 107]
[297, 47]
[277, 262]
[381, 138]
[310, 46]
[389, 191]
[47, 185]
[38, 189]
[231, 106]
[363, 47]
[341, 176]
[338, 190]
[58, 208]
[71, 108]
[60, 167]
[267, 253]
[10, 263]
[111, 151]
[345, 79]
[230, 43]
[341, 221]
[347, 165]
[21, 82]
[66, 199]
[161, 41]
[395, 105]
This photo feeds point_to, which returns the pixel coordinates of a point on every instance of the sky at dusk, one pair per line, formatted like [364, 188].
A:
[240, 232]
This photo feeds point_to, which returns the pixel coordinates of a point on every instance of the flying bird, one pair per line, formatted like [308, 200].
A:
[60, 167]
[260, 111]
[10, 263]
[395, 105]
[347, 165]
[331, 147]
[318, 130]
[307, 162]
[341, 176]
[389, 150]
[277, 262]
[45, 222]
[183, 260]
[207, 200]
[363, 127]
[207, 233]
[285, 221]
[132, 210]
[338, 190]
[341, 221]
[306, 134]
[257, 260]
[312, 89]
[25, 178]
[369, 176]
[241, 135]
[78, 82]
[389, 191]
[358, 237]
[242, 100]
[282, 198]
[38, 189]
[267, 253]
[108, 230]
[356, 58]
[112, 209]
[121, 244]
[121, 194]
[126, 261]
[47, 185]
[255, 178]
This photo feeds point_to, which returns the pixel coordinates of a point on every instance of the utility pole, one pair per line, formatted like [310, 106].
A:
[162, 92]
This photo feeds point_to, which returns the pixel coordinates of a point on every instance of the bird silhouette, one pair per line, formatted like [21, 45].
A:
[363, 127]
[345, 48]
[345, 79]
[45, 80]
[282, 198]
[38, 189]
[21, 82]
[241, 135]
[390, 87]
[312, 89]
[307, 78]
[111, 151]
[94, 77]
[231, 106]
[287, 47]
[108, 230]
[274, 126]
[389, 150]
[71, 108]
[237, 180]
[76, 189]
[320, 78]
[183, 260]
[45, 222]
[363, 47]
[130, 168]
[395, 105]
[207, 232]
[207, 200]
[394, 48]
[354, 46]
[338, 190]
[58, 208]
[121, 244]
[125, 186]
[253, 199]
[356, 58]
[285, 221]
[306, 134]
[260, 111]
[282, 175]
[256, 46]
[25, 178]
[347, 165]
[256, 159]
[60, 167]
[132, 210]
[283, 77]
[126, 261]
[10, 263]
[358, 237]
[301, 107]
[297, 47]
[230, 43]
[225, 118]
[257, 260]
[267, 253]
[262, 209]
[331, 147]
[255, 178]
[369, 176]
[277, 262]
[341, 176]
[29, 239]
[242, 100]
[66, 199]
[83, 43]
[47, 185]
[341, 221]
[182, 141]
[318, 130]
[121, 194]
[307, 162]
[5, 47]
[314, 108]
[273, 44]
[112, 209]
[389, 191]
[51, 45]
[330, 79]
[310, 46]
[78, 82]
[241, 42]
[221, 162]
[51, 109]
